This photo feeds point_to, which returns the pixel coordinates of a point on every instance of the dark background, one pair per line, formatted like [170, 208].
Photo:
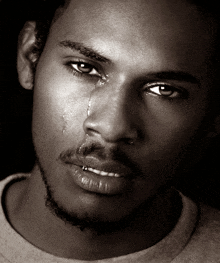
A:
[15, 102]
[16, 150]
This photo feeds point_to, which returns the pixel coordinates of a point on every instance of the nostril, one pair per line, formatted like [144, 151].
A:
[90, 131]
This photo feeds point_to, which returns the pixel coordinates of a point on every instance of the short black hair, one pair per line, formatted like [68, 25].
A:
[48, 11]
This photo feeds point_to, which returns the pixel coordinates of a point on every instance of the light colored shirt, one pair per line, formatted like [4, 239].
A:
[194, 239]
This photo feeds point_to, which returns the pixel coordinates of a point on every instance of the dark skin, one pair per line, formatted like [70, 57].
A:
[128, 82]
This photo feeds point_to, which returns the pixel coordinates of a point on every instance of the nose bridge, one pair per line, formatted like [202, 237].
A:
[111, 114]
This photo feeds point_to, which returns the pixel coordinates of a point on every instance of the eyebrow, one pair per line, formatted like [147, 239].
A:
[175, 75]
[86, 51]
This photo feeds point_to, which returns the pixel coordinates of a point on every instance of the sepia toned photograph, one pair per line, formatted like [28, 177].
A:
[110, 131]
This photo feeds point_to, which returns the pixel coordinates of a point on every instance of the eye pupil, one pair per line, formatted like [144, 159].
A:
[85, 68]
[166, 91]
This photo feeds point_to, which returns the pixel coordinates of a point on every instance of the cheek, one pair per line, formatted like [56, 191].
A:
[171, 130]
[177, 118]
[58, 114]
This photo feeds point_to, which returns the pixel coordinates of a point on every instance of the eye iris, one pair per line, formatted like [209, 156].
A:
[85, 68]
[166, 91]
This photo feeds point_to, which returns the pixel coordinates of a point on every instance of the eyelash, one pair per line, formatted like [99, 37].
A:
[172, 92]
[179, 93]
[73, 66]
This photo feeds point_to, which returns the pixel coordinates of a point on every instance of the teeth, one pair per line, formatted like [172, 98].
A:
[102, 173]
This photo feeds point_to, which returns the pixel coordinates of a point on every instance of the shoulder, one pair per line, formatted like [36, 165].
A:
[204, 244]
[9, 180]
[208, 228]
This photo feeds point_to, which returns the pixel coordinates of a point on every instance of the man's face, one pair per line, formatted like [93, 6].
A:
[121, 90]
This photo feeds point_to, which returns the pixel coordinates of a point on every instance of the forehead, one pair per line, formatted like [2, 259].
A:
[127, 28]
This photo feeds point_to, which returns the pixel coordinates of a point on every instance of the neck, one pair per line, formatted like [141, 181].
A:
[147, 225]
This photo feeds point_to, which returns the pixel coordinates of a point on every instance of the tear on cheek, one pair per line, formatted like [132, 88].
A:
[89, 106]
[99, 84]
[65, 120]
[64, 123]
[74, 115]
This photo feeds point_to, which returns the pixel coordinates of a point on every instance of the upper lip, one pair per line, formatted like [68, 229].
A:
[108, 166]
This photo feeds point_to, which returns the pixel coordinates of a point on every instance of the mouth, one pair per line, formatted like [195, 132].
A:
[102, 173]
[98, 181]
[105, 176]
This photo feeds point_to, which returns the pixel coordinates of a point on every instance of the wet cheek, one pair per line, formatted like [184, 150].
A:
[60, 99]
[57, 119]
[59, 115]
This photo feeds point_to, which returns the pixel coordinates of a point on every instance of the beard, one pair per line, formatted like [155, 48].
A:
[84, 220]
[94, 224]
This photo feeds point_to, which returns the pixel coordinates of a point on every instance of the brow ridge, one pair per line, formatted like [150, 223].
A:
[163, 75]
[86, 51]
[176, 76]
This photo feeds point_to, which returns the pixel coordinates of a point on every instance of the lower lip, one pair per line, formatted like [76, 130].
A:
[95, 183]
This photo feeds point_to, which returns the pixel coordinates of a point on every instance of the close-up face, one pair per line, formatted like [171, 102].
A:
[121, 91]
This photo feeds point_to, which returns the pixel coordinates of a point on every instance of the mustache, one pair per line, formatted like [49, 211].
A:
[100, 152]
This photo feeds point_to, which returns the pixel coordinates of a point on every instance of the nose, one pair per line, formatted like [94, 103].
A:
[113, 116]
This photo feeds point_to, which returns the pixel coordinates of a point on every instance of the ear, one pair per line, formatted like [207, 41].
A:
[25, 56]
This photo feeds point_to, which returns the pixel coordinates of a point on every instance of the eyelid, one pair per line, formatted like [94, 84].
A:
[75, 59]
[88, 73]
[152, 84]
[176, 88]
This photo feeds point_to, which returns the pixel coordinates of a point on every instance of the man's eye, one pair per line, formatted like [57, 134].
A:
[165, 91]
[85, 68]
